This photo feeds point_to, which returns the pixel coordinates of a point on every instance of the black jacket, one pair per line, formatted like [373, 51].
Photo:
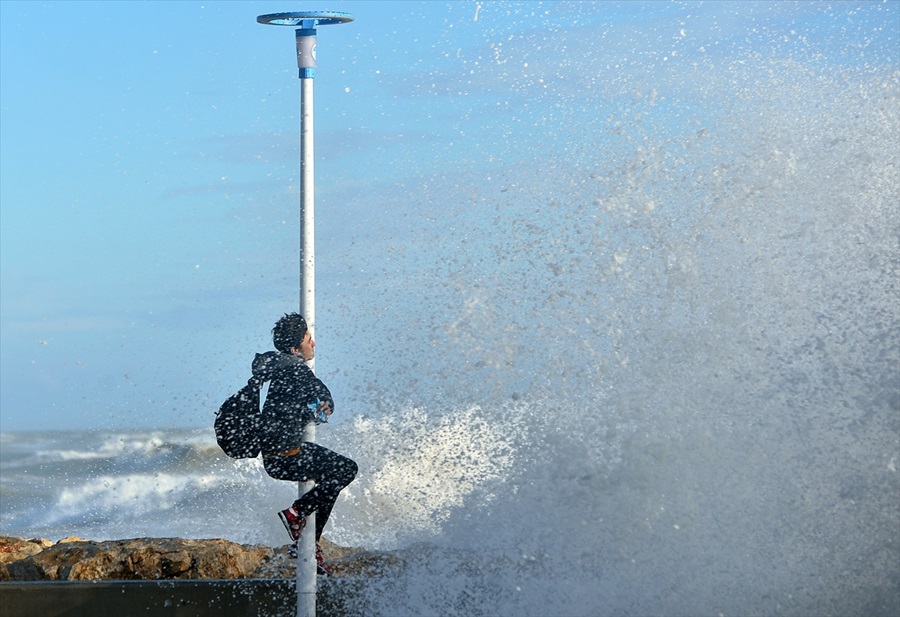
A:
[292, 387]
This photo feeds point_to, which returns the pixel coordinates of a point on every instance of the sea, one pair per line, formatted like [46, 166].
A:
[674, 385]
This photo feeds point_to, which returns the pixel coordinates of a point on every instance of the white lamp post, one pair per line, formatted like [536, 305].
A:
[306, 62]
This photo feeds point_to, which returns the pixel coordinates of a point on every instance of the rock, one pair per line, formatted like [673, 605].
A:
[14, 549]
[142, 558]
[77, 559]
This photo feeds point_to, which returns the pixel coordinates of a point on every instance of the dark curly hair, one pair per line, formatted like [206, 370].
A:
[289, 332]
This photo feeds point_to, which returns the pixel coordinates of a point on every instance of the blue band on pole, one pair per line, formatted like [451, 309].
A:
[307, 73]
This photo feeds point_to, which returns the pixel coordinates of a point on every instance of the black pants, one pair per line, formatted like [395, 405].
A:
[329, 470]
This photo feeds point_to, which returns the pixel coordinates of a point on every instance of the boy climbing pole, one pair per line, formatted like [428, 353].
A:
[296, 396]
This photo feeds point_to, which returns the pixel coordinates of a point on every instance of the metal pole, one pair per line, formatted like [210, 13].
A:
[306, 63]
[306, 548]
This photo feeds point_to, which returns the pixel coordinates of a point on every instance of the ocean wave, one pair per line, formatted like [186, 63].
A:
[111, 446]
[145, 492]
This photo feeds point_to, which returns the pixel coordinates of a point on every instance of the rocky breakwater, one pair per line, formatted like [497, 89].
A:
[77, 559]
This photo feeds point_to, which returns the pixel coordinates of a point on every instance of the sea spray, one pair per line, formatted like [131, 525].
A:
[686, 350]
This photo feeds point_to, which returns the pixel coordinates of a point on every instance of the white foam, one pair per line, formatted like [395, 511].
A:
[416, 468]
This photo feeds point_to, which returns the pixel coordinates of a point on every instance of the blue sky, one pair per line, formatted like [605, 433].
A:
[149, 169]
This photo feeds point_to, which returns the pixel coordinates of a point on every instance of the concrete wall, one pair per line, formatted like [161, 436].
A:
[219, 598]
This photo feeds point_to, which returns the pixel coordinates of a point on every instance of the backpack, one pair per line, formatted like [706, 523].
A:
[237, 422]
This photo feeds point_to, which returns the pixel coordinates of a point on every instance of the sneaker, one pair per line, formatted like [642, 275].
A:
[321, 568]
[292, 522]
